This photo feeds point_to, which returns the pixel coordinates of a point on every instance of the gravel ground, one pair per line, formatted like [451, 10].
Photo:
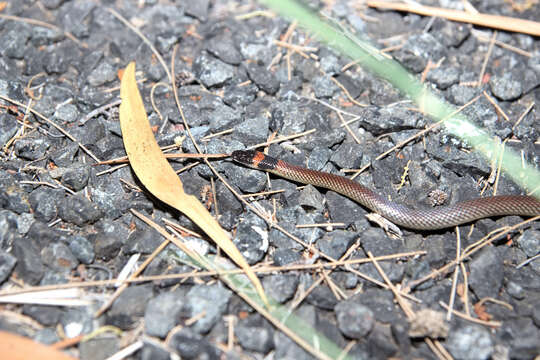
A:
[62, 220]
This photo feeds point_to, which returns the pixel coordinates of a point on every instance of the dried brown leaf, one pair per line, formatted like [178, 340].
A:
[159, 178]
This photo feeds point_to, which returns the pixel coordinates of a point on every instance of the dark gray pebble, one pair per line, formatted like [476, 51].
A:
[43, 201]
[78, 210]
[336, 243]
[8, 127]
[483, 280]
[252, 238]
[29, 266]
[211, 299]
[254, 333]
[310, 198]
[211, 71]
[470, 342]
[286, 256]
[163, 313]
[529, 242]
[354, 320]
[59, 257]
[152, 350]
[506, 87]
[190, 345]
[280, 287]
[130, 306]
[76, 177]
[106, 246]
[7, 264]
[82, 249]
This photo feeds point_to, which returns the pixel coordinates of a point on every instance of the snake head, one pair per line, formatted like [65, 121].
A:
[244, 157]
[254, 159]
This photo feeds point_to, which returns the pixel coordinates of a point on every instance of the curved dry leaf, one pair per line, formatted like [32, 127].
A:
[153, 170]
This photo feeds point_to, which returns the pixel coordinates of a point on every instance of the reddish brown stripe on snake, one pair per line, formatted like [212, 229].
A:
[429, 219]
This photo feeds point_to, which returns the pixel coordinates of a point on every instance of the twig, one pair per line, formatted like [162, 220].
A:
[283, 138]
[98, 111]
[486, 59]
[487, 20]
[470, 318]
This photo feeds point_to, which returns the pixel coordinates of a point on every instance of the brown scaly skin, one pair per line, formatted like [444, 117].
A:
[429, 219]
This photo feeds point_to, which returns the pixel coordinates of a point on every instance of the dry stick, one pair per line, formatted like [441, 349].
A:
[261, 270]
[486, 59]
[472, 319]
[319, 225]
[214, 197]
[295, 303]
[179, 227]
[349, 96]
[298, 48]
[144, 39]
[519, 266]
[130, 185]
[154, 106]
[495, 301]
[284, 138]
[404, 304]
[487, 20]
[47, 25]
[263, 13]
[338, 293]
[124, 159]
[504, 45]
[444, 353]
[358, 171]
[38, 183]
[496, 106]
[434, 349]
[346, 349]
[111, 170]
[522, 116]
[98, 111]
[465, 288]
[57, 127]
[231, 320]
[455, 279]
[187, 167]
[355, 116]
[348, 128]
[262, 193]
[208, 137]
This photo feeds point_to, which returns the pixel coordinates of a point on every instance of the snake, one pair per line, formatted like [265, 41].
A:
[420, 219]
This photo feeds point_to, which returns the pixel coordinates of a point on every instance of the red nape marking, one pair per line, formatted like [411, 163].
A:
[259, 156]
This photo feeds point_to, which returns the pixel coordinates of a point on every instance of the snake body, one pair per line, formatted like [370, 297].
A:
[422, 219]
